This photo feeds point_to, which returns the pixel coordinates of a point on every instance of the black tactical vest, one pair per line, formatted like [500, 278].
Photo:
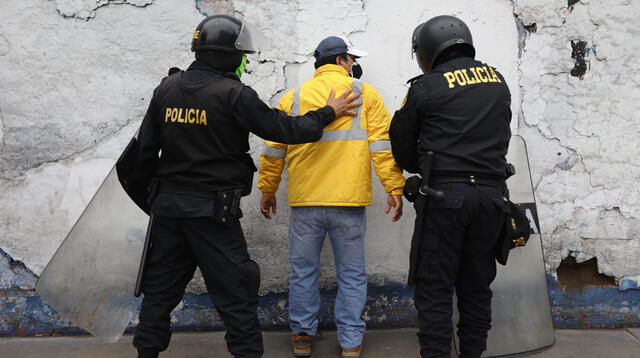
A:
[203, 148]
[465, 118]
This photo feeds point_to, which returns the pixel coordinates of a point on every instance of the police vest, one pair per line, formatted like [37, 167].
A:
[203, 148]
[465, 118]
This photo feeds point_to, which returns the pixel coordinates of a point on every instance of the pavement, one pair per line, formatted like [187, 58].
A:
[596, 343]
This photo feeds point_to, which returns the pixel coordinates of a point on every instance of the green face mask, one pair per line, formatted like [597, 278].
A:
[242, 68]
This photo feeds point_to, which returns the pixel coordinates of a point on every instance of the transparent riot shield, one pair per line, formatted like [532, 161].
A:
[91, 278]
[521, 314]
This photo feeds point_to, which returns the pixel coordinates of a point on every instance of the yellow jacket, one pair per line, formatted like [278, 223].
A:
[335, 171]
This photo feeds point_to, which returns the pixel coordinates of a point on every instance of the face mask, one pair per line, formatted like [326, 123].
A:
[242, 68]
[356, 70]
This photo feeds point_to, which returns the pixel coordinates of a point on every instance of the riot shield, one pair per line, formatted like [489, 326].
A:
[91, 278]
[521, 314]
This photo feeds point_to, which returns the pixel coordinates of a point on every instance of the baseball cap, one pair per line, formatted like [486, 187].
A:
[335, 45]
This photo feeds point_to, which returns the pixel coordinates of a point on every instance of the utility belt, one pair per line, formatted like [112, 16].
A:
[413, 184]
[226, 207]
[468, 179]
[226, 203]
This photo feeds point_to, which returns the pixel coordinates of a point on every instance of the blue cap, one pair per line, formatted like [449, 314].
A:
[335, 45]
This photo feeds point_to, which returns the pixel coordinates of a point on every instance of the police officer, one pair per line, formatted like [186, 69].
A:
[454, 130]
[199, 120]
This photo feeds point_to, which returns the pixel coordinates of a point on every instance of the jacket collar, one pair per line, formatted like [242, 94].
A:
[326, 69]
[198, 71]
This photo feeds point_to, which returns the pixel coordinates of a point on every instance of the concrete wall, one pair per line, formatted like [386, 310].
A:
[77, 76]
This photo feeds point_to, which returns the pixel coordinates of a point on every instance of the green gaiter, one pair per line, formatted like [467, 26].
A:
[243, 66]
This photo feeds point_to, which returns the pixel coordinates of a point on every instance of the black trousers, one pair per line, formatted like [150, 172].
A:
[232, 280]
[457, 252]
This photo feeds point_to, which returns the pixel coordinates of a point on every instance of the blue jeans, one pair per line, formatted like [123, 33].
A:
[346, 227]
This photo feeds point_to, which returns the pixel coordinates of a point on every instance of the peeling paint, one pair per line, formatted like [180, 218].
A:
[578, 54]
[24, 314]
[595, 307]
[86, 9]
[74, 101]
[214, 7]
[583, 164]
[14, 275]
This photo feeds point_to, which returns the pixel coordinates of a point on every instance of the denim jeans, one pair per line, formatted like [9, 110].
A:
[346, 228]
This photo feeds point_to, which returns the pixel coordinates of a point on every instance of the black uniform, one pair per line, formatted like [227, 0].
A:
[199, 120]
[461, 112]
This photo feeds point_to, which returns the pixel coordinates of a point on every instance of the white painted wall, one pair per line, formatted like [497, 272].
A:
[583, 134]
[77, 75]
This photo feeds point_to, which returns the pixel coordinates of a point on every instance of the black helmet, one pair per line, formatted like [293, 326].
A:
[227, 34]
[432, 38]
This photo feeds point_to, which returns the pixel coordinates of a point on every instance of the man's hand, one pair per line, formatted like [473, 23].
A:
[268, 205]
[343, 105]
[394, 201]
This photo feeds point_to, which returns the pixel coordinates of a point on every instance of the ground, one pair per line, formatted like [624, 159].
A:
[621, 343]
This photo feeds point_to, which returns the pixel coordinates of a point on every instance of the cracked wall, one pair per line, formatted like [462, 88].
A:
[580, 78]
[80, 83]
[76, 87]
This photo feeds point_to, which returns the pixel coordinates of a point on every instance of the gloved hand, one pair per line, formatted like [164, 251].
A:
[412, 187]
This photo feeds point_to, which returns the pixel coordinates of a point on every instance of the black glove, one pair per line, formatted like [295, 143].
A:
[412, 187]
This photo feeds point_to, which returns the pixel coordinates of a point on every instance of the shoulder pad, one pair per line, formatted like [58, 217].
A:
[411, 81]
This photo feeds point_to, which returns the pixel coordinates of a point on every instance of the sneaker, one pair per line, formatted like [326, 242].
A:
[352, 352]
[301, 345]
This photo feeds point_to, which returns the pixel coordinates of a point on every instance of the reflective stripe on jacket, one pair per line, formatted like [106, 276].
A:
[336, 170]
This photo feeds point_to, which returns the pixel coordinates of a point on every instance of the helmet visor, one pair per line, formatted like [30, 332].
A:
[252, 40]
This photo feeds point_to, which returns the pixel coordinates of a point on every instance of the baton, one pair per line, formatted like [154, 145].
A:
[143, 259]
[425, 172]
[421, 208]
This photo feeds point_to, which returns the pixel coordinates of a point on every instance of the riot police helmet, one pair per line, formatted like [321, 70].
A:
[437, 37]
[223, 33]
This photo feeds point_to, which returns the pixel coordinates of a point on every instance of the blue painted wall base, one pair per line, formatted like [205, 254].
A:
[594, 307]
[23, 313]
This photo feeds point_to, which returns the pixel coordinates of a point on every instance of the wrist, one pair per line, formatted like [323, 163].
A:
[331, 112]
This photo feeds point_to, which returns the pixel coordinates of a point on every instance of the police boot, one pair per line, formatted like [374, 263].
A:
[146, 353]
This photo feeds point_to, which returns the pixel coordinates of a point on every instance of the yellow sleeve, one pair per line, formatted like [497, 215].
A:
[273, 156]
[378, 121]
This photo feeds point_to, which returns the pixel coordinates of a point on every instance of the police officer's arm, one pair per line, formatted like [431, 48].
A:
[389, 174]
[276, 125]
[405, 131]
